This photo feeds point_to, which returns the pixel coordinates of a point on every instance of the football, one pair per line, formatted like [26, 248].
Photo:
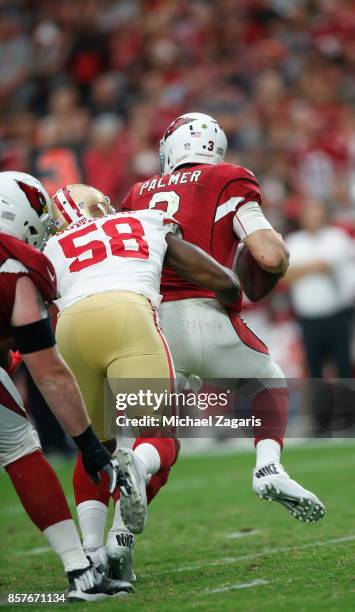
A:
[256, 282]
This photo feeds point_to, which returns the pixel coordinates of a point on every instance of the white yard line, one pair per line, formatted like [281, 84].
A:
[241, 585]
[265, 552]
[34, 551]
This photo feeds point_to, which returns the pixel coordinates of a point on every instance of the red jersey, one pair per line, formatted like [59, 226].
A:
[19, 259]
[203, 199]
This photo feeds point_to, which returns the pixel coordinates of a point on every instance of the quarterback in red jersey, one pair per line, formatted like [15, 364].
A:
[218, 206]
[27, 283]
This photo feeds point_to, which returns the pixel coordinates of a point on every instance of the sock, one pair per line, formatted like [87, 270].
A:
[156, 482]
[115, 496]
[92, 516]
[85, 489]
[117, 519]
[117, 525]
[271, 407]
[168, 450]
[267, 451]
[92, 505]
[43, 498]
[39, 490]
[149, 455]
[64, 539]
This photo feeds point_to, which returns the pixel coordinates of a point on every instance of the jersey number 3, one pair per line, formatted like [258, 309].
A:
[126, 240]
[168, 201]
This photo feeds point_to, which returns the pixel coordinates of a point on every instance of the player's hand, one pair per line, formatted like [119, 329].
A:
[96, 458]
[98, 461]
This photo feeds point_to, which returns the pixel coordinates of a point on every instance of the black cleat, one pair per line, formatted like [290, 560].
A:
[89, 584]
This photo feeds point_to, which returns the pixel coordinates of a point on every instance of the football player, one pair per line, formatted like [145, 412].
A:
[27, 283]
[219, 205]
[108, 268]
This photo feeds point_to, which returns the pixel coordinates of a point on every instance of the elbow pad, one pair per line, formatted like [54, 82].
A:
[249, 219]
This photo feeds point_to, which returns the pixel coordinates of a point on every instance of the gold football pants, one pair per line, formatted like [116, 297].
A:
[115, 336]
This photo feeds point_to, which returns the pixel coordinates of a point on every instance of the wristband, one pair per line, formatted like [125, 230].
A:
[87, 441]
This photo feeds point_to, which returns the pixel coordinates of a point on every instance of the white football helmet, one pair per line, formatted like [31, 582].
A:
[73, 202]
[193, 138]
[23, 207]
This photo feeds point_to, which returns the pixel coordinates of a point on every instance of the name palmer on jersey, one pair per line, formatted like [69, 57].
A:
[178, 178]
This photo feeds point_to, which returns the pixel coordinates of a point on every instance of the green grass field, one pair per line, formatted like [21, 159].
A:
[210, 544]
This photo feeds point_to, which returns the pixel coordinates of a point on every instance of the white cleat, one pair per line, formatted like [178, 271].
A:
[119, 547]
[90, 584]
[132, 477]
[271, 482]
[98, 558]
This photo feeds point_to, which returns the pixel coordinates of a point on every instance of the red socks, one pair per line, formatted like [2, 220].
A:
[85, 489]
[39, 490]
[168, 449]
[271, 407]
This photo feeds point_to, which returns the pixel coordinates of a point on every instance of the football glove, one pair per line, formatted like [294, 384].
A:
[96, 458]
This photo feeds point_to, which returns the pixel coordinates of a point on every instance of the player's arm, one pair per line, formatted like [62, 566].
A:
[250, 224]
[34, 337]
[269, 250]
[194, 265]
[263, 257]
[265, 244]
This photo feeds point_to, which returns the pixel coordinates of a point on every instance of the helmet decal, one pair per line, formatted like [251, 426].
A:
[176, 124]
[35, 197]
[66, 205]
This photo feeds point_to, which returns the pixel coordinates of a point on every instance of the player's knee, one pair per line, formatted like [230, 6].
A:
[17, 449]
[273, 375]
[278, 375]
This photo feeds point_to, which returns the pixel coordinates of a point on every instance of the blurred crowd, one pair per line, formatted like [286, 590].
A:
[88, 87]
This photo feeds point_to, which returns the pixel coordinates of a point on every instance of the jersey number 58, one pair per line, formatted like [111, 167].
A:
[125, 240]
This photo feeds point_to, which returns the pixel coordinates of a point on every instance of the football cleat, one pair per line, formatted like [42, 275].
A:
[271, 482]
[132, 477]
[89, 584]
[98, 557]
[119, 547]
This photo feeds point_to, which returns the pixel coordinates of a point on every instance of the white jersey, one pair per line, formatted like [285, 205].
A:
[124, 252]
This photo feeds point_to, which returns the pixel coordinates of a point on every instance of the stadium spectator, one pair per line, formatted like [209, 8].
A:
[277, 75]
[321, 277]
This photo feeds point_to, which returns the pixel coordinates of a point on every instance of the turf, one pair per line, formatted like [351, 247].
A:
[185, 551]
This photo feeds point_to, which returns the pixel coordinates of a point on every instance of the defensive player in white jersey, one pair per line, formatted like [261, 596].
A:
[109, 271]
[219, 206]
